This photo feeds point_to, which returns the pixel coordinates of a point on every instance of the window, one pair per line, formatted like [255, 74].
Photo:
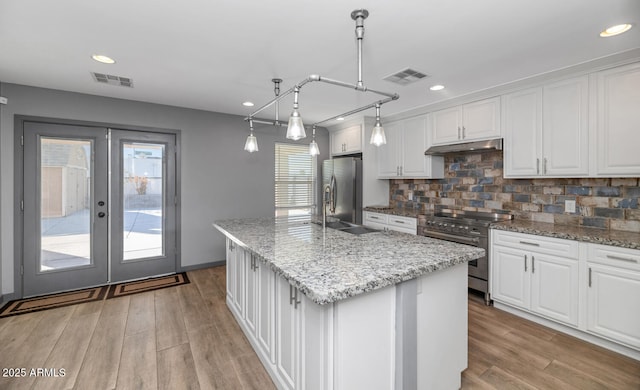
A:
[295, 177]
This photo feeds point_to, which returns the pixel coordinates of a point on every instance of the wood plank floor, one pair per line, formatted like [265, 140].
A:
[185, 338]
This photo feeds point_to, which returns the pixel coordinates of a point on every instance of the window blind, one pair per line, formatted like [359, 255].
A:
[295, 180]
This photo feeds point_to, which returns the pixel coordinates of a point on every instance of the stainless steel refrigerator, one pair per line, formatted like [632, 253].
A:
[344, 178]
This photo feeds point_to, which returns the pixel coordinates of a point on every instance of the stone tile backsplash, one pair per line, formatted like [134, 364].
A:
[473, 181]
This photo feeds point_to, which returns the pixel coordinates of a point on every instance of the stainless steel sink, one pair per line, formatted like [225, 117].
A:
[359, 230]
[348, 227]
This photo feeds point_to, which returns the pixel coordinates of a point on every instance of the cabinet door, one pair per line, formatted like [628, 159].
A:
[613, 304]
[251, 290]
[522, 121]
[239, 272]
[481, 120]
[266, 311]
[565, 132]
[414, 142]
[388, 166]
[287, 335]
[446, 126]
[353, 139]
[337, 142]
[231, 268]
[554, 287]
[511, 281]
[618, 117]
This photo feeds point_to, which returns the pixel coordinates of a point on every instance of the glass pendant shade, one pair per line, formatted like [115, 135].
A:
[313, 148]
[377, 136]
[295, 130]
[252, 144]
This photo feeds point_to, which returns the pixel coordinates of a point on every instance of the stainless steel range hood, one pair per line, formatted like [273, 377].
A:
[477, 146]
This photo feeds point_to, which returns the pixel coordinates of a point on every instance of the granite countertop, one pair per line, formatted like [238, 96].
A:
[413, 213]
[334, 265]
[585, 234]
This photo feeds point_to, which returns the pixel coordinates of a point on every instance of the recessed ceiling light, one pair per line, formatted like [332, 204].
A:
[247, 104]
[615, 30]
[340, 119]
[104, 59]
[436, 87]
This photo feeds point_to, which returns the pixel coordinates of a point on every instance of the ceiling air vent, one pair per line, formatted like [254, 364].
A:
[406, 76]
[112, 80]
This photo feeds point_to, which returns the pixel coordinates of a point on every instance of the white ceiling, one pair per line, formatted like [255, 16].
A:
[214, 54]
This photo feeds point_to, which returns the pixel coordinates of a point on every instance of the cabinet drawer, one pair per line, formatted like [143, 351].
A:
[402, 222]
[375, 217]
[614, 256]
[529, 242]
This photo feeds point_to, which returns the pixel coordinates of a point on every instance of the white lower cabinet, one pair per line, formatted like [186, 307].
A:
[593, 289]
[288, 333]
[235, 278]
[613, 296]
[390, 222]
[537, 274]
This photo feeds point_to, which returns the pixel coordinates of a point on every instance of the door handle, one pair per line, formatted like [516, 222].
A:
[101, 203]
[525, 263]
[101, 214]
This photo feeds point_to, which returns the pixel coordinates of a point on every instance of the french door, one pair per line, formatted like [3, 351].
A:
[99, 206]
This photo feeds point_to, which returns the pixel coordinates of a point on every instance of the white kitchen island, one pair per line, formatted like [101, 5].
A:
[332, 310]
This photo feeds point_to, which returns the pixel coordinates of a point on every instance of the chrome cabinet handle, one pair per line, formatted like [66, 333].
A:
[400, 170]
[396, 221]
[533, 264]
[525, 263]
[293, 297]
[373, 217]
[463, 135]
[537, 166]
[459, 132]
[529, 243]
[613, 257]
[589, 276]
[544, 166]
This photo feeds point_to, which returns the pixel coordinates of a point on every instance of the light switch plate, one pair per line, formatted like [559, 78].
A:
[569, 206]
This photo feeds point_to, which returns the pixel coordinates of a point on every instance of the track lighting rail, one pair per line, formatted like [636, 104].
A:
[312, 78]
[295, 125]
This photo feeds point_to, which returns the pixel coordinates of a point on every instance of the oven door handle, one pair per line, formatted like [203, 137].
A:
[452, 237]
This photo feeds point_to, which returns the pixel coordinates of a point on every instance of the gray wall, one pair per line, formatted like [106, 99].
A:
[218, 179]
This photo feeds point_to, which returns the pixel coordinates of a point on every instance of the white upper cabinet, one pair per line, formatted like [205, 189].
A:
[468, 122]
[546, 130]
[522, 120]
[403, 155]
[618, 113]
[346, 141]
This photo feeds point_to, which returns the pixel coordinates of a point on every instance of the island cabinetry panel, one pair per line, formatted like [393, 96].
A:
[546, 131]
[265, 333]
[403, 155]
[235, 278]
[537, 274]
[468, 122]
[390, 222]
[346, 141]
[617, 124]
[613, 294]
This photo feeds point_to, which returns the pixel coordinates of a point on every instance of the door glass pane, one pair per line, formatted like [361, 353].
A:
[65, 203]
[142, 184]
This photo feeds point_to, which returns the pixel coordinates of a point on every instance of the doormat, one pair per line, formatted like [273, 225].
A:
[45, 302]
[140, 286]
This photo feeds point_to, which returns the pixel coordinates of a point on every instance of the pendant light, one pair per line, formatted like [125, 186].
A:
[377, 135]
[252, 143]
[295, 130]
[295, 125]
[313, 146]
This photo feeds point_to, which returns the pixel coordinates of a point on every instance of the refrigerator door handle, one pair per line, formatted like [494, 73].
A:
[332, 206]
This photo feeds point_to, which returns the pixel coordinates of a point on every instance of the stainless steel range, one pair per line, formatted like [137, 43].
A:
[471, 228]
